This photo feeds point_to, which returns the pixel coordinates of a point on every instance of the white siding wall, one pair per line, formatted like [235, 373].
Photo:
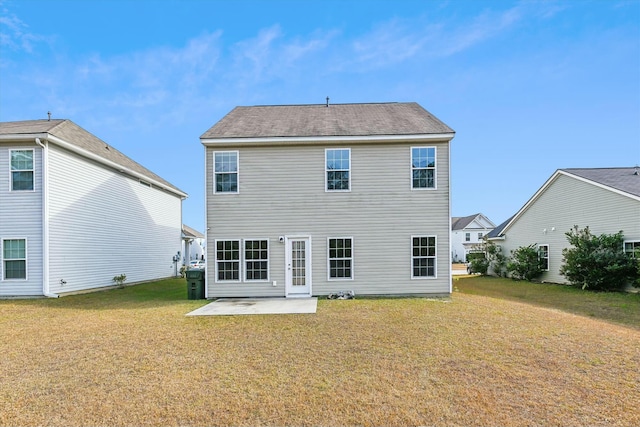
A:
[103, 224]
[282, 192]
[565, 203]
[21, 218]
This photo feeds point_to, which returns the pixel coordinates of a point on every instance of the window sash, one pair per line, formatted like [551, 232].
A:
[226, 171]
[423, 167]
[543, 255]
[22, 171]
[340, 258]
[423, 256]
[227, 260]
[14, 256]
[338, 169]
[632, 247]
[256, 260]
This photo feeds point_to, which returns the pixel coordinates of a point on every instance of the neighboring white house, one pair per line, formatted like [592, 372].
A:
[314, 199]
[466, 233]
[193, 244]
[73, 211]
[607, 200]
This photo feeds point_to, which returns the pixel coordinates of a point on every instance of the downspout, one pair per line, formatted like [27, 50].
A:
[45, 220]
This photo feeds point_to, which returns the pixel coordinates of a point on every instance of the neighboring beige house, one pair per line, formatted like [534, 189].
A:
[308, 200]
[466, 233]
[605, 199]
[75, 212]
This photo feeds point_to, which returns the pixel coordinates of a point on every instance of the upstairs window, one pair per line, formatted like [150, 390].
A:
[423, 167]
[543, 256]
[226, 171]
[21, 170]
[338, 167]
[423, 256]
[14, 257]
[467, 237]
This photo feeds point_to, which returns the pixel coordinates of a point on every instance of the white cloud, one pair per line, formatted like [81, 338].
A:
[15, 34]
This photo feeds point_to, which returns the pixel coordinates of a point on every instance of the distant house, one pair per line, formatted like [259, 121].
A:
[313, 199]
[607, 200]
[75, 212]
[193, 244]
[466, 233]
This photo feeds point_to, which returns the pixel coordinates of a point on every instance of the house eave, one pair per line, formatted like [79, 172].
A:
[353, 139]
[84, 153]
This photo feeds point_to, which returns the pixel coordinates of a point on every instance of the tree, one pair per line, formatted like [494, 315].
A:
[525, 264]
[598, 262]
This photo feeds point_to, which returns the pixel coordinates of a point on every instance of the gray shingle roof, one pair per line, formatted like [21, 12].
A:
[319, 120]
[622, 179]
[458, 223]
[73, 134]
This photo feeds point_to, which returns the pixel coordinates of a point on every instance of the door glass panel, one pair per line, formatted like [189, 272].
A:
[298, 263]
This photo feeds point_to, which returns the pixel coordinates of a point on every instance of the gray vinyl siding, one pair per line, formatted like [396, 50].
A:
[282, 193]
[21, 218]
[567, 202]
[103, 223]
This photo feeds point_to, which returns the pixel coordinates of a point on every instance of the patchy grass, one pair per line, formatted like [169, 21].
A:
[130, 357]
[618, 307]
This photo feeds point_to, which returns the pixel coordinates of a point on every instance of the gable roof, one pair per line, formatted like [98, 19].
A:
[626, 180]
[460, 223]
[191, 233]
[623, 181]
[71, 136]
[333, 120]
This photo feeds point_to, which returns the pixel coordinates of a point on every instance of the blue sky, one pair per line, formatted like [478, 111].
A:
[528, 86]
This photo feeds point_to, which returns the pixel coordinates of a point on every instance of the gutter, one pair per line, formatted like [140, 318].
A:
[46, 291]
[354, 139]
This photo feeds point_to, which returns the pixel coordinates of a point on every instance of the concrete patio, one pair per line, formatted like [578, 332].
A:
[245, 306]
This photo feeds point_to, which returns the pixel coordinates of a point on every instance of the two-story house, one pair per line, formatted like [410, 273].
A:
[75, 212]
[467, 233]
[308, 200]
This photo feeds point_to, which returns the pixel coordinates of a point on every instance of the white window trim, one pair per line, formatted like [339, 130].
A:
[341, 279]
[435, 169]
[548, 258]
[213, 163]
[435, 258]
[326, 181]
[624, 244]
[244, 265]
[26, 259]
[240, 260]
[33, 159]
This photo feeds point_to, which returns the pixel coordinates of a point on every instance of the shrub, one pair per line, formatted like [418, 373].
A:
[497, 261]
[119, 280]
[598, 262]
[525, 264]
[479, 264]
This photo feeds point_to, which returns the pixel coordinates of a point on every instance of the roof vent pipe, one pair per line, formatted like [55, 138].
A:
[327, 101]
[49, 114]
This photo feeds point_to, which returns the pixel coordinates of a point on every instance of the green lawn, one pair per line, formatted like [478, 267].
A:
[622, 308]
[131, 357]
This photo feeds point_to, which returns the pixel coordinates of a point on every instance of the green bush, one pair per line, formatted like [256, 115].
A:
[497, 261]
[525, 264]
[479, 264]
[598, 262]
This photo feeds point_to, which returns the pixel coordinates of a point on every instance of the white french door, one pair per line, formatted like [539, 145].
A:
[298, 267]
